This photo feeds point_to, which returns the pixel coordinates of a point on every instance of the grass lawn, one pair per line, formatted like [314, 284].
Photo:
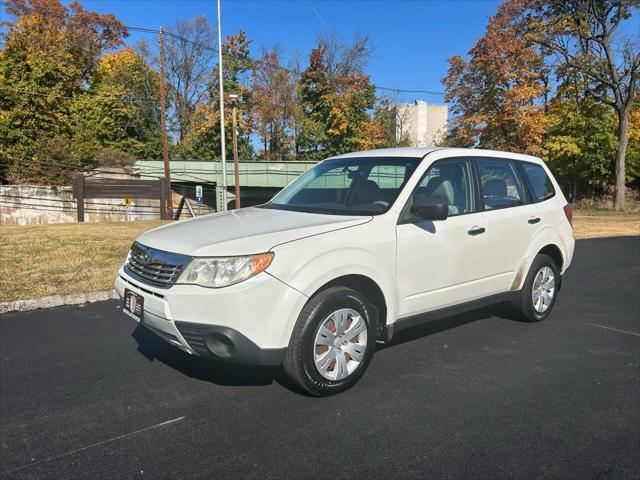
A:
[43, 260]
[54, 259]
[605, 223]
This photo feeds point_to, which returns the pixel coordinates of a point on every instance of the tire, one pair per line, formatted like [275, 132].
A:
[349, 308]
[532, 306]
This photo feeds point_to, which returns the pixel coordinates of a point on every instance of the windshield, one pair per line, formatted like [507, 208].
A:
[349, 186]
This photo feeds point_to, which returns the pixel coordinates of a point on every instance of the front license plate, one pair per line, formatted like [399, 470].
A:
[133, 305]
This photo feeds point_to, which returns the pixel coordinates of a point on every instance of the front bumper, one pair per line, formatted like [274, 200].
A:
[250, 322]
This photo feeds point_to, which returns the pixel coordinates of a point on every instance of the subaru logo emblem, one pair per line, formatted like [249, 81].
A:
[145, 257]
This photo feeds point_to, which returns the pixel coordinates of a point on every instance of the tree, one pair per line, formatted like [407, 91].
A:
[119, 110]
[50, 52]
[496, 94]
[341, 58]
[393, 117]
[632, 161]
[275, 103]
[203, 137]
[581, 142]
[189, 51]
[336, 97]
[586, 36]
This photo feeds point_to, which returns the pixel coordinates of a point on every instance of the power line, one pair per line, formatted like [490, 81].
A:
[211, 49]
[70, 209]
[89, 201]
[275, 65]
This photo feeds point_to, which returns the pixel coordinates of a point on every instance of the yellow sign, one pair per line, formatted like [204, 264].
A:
[127, 201]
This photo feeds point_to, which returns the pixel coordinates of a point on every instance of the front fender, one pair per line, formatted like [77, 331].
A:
[314, 270]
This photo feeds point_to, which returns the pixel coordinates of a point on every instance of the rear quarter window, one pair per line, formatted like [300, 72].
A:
[539, 183]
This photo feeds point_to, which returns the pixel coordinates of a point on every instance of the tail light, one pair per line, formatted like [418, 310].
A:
[568, 212]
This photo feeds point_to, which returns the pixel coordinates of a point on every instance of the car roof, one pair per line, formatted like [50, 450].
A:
[414, 152]
[421, 152]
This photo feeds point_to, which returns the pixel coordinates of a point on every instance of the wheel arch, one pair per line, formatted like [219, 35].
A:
[546, 242]
[369, 289]
[553, 251]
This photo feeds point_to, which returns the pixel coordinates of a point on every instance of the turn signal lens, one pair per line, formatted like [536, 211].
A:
[261, 262]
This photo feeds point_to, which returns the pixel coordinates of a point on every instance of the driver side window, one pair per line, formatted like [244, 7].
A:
[449, 180]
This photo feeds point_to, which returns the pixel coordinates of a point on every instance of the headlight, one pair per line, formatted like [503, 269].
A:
[219, 272]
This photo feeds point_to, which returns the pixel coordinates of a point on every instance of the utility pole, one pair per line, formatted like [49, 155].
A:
[234, 104]
[163, 127]
[222, 143]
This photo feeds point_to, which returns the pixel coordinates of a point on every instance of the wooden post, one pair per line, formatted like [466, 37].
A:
[78, 190]
[163, 126]
[163, 199]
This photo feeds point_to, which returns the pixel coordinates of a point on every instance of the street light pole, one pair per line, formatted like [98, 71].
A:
[222, 143]
[234, 104]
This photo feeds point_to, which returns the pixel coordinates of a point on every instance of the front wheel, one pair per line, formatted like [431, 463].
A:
[538, 294]
[332, 343]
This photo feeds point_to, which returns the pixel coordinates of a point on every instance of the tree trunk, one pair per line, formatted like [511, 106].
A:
[623, 140]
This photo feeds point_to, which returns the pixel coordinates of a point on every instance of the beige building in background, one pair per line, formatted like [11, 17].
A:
[420, 123]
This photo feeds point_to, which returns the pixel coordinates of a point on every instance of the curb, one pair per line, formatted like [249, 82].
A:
[57, 301]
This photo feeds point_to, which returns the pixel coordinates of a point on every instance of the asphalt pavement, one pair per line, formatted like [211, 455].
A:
[85, 393]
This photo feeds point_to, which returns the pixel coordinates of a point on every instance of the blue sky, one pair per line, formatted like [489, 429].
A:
[412, 39]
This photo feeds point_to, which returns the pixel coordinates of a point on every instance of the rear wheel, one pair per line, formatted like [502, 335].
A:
[332, 343]
[538, 294]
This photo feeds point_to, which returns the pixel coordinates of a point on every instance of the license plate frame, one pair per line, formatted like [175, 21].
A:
[133, 305]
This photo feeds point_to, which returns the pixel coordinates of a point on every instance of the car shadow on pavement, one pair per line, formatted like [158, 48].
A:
[222, 373]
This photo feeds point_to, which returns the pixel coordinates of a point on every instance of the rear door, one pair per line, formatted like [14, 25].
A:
[442, 263]
[511, 220]
[541, 191]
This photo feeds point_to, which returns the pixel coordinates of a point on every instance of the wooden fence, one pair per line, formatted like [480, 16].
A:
[87, 187]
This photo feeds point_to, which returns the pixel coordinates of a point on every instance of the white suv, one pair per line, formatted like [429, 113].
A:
[357, 248]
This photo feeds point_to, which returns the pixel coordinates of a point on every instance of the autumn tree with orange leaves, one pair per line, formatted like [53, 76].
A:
[336, 97]
[49, 54]
[496, 94]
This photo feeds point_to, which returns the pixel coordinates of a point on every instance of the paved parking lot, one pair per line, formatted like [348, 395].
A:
[84, 393]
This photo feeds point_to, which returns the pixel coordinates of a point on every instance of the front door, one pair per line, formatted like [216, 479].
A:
[442, 263]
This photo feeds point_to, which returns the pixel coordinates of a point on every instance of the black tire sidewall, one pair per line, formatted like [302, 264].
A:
[526, 302]
[344, 298]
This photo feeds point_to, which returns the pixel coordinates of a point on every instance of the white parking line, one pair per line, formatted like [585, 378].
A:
[614, 329]
[71, 452]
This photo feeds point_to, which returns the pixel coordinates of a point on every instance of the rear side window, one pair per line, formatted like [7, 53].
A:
[539, 182]
[500, 185]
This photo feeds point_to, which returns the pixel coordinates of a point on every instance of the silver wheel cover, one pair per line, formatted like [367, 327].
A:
[340, 343]
[543, 290]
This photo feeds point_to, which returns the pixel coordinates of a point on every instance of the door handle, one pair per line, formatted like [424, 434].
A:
[475, 230]
[533, 220]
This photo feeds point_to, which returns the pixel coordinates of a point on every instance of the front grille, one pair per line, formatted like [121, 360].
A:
[155, 267]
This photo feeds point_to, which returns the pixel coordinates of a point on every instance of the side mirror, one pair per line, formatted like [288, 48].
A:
[430, 208]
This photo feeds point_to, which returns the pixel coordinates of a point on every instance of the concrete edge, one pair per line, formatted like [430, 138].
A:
[57, 301]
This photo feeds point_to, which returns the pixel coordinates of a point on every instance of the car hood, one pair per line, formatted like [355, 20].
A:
[242, 232]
